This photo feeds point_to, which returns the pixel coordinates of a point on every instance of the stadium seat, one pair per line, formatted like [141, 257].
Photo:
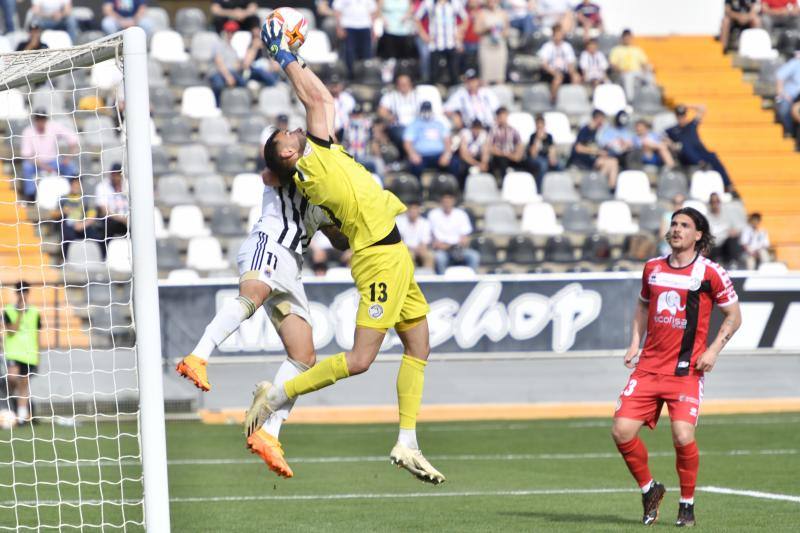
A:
[160, 161]
[607, 41]
[406, 187]
[216, 131]
[341, 274]
[203, 46]
[275, 100]
[49, 191]
[176, 130]
[210, 190]
[505, 95]
[99, 131]
[614, 217]
[186, 221]
[594, 187]
[369, 72]
[705, 182]
[500, 219]
[85, 37]
[670, 184]
[118, 256]
[183, 275]
[557, 187]
[755, 43]
[596, 248]
[106, 75]
[162, 101]
[199, 102]
[247, 190]
[185, 74]
[227, 222]
[664, 121]
[168, 257]
[167, 47]
[481, 189]
[430, 93]
[536, 99]
[190, 20]
[519, 188]
[158, 225]
[52, 101]
[317, 48]
[5, 45]
[650, 218]
[253, 216]
[521, 251]
[172, 190]
[250, 130]
[577, 219]
[647, 100]
[56, 39]
[540, 219]
[204, 254]
[773, 267]
[12, 105]
[633, 186]
[441, 184]
[193, 160]
[236, 101]
[572, 99]
[487, 248]
[158, 16]
[85, 257]
[155, 75]
[557, 124]
[558, 249]
[523, 122]
[609, 98]
[241, 42]
[232, 160]
[697, 204]
[459, 272]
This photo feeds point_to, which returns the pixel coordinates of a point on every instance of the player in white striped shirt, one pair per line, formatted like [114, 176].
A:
[270, 262]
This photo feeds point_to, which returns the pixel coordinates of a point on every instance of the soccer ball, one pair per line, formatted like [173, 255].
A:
[7, 419]
[295, 26]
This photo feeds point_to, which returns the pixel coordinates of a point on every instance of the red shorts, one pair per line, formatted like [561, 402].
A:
[646, 392]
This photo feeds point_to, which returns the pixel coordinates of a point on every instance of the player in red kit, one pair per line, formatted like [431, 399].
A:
[674, 308]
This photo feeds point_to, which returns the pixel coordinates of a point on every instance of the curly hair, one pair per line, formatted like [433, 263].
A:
[706, 242]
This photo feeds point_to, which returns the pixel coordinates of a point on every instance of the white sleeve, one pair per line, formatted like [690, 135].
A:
[425, 232]
[583, 61]
[451, 104]
[466, 225]
[544, 52]
[570, 52]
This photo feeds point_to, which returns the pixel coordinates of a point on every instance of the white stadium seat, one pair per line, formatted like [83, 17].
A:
[183, 274]
[519, 188]
[247, 190]
[556, 124]
[481, 189]
[614, 216]
[49, 191]
[460, 272]
[540, 219]
[609, 98]
[697, 204]
[773, 267]
[199, 102]
[755, 43]
[501, 219]
[186, 221]
[193, 160]
[317, 48]
[119, 256]
[56, 39]
[85, 256]
[633, 187]
[204, 254]
[167, 47]
[524, 124]
[158, 224]
[241, 42]
[705, 182]
[12, 105]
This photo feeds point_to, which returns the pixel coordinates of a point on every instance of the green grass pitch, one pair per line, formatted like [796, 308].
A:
[549, 475]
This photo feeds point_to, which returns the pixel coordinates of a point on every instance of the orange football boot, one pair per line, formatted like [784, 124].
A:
[193, 368]
[270, 450]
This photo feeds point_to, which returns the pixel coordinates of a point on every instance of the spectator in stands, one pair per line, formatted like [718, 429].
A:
[343, 105]
[739, 14]
[542, 154]
[726, 235]
[617, 138]
[55, 15]
[34, 41]
[558, 62]
[447, 21]
[686, 140]
[653, 149]
[228, 67]
[423, 49]
[416, 233]
[359, 142]
[505, 146]
[469, 58]
[427, 143]
[755, 242]
[40, 151]
[9, 8]
[473, 150]
[121, 14]
[22, 325]
[397, 41]
[492, 25]
[111, 200]
[631, 63]
[522, 14]
[257, 65]
[779, 14]
[78, 219]
[587, 154]
[242, 12]
[381, 146]
[451, 229]
[552, 12]
[473, 101]
[354, 20]
[787, 92]
[588, 18]
[399, 108]
[593, 64]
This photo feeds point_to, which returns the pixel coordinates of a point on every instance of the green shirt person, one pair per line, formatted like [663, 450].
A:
[21, 324]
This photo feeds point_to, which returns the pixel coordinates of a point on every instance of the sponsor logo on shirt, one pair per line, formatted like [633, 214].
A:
[667, 306]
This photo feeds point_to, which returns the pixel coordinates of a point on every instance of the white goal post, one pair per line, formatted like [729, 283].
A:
[22, 73]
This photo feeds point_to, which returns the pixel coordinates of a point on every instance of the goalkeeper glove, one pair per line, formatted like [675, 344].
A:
[276, 47]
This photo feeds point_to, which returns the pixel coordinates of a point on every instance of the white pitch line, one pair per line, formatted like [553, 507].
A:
[752, 494]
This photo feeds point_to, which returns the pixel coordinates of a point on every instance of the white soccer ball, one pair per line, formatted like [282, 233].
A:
[294, 24]
[7, 419]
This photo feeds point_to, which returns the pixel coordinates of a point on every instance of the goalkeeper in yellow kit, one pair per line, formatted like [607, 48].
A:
[382, 267]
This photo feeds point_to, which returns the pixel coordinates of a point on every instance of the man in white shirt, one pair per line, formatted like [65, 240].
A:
[399, 108]
[354, 20]
[343, 106]
[416, 233]
[593, 64]
[755, 242]
[40, 151]
[558, 62]
[473, 101]
[451, 229]
[55, 15]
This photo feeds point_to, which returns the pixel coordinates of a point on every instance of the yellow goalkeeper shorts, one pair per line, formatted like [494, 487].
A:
[384, 277]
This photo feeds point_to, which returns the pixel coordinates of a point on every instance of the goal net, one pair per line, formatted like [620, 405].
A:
[74, 167]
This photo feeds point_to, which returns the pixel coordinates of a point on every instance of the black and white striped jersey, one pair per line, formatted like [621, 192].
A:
[288, 218]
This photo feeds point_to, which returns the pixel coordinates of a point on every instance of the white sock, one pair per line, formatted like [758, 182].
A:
[233, 312]
[690, 501]
[288, 369]
[647, 486]
[408, 437]
[22, 413]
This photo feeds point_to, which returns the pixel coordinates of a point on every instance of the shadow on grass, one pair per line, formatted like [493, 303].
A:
[572, 517]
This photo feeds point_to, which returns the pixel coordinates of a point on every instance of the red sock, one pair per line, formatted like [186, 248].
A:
[635, 454]
[687, 461]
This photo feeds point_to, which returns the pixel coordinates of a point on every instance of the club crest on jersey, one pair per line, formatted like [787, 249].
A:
[375, 311]
[307, 150]
[694, 284]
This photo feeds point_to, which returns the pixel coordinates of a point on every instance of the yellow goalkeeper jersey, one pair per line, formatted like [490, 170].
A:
[330, 178]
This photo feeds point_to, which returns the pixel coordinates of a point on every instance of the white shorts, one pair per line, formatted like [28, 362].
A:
[264, 259]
